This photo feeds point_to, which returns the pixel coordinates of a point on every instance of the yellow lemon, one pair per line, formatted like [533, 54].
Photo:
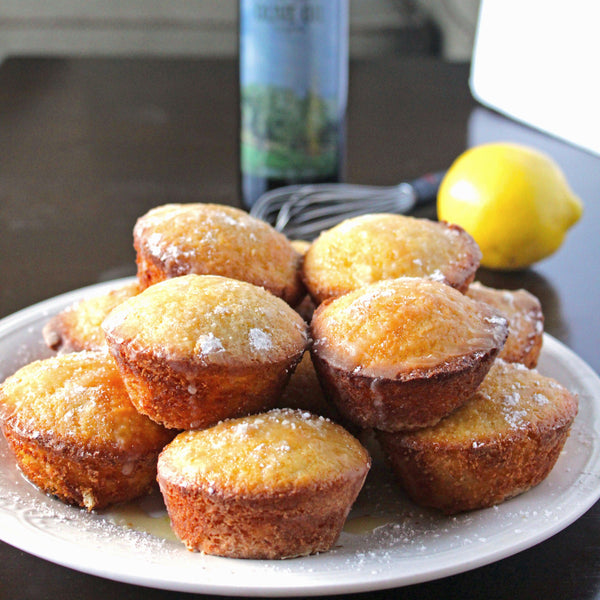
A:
[513, 200]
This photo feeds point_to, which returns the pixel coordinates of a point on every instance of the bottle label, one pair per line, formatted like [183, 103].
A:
[293, 84]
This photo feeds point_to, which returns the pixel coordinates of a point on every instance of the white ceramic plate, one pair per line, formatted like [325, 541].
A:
[388, 542]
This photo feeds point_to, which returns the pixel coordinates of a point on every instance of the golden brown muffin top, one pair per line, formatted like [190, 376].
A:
[219, 240]
[208, 318]
[525, 320]
[78, 327]
[512, 398]
[398, 326]
[282, 450]
[369, 248]
[77, 400]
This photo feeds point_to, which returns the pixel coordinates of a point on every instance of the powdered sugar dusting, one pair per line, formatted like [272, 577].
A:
[259, 339]
[515, 417]
[209, 344]
[437, 275]
[541, 399]
[229, 219]
[154, 242]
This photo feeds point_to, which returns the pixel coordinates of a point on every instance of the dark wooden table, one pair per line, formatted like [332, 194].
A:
[88, 145]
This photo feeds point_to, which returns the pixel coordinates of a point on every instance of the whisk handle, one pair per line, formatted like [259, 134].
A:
[426, 187]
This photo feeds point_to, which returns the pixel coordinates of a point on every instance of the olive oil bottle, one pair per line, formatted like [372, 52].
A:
[293, 93]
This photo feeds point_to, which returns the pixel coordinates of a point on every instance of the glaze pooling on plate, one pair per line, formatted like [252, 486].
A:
[387, 542]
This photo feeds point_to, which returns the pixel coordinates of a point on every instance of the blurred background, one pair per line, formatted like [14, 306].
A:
[209, 27]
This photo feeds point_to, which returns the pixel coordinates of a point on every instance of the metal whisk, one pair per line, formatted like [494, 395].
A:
[303, 211]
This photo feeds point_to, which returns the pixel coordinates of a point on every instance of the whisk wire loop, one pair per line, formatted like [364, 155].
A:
[303, 211]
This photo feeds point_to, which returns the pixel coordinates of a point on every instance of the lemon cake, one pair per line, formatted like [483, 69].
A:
[366, 249]
[503, 441]
[269, 486]
[75, 433]
[79, 326]
[402, 353]
[196, 349]
[212, 239]
[525, 321]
